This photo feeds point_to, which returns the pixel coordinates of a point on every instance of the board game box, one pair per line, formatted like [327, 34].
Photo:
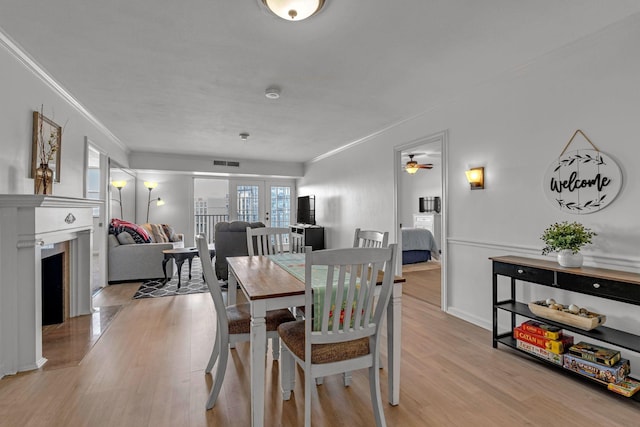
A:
[539, 328]
[603, 373]
[628, 387]
[540, 352]
[554, 346]
[595, 353]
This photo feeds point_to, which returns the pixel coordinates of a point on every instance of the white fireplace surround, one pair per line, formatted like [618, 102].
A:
[27, 222]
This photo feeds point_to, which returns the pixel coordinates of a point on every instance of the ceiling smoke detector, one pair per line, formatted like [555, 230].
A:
[244, 136]
[272, 93]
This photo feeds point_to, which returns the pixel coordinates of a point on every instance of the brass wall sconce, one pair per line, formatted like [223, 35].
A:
[119, 185]
[159, 202]
[475, 176]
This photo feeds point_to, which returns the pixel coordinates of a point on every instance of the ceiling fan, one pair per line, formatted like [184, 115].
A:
[412, 166]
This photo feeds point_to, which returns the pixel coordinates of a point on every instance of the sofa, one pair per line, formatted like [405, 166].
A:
[135, 254]
[230, 240]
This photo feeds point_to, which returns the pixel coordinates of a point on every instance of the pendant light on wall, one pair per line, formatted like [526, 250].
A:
[294, 10]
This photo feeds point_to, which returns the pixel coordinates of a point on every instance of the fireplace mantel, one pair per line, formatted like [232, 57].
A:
[27, 222]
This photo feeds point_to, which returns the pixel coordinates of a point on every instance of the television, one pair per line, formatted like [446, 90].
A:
[306, 213]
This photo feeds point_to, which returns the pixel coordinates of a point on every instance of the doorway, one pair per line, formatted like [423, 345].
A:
[426, 280]
[270, 202]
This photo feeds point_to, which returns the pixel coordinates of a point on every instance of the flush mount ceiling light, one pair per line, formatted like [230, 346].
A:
[244, 136]
[294, 10]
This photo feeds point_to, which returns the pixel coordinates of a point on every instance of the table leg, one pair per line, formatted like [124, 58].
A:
[190, 262]
[164, 268]
[394, 342]
[232, 289]
[179, 262]
[258, 350]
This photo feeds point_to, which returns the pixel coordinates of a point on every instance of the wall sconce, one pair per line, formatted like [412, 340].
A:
[475, 176]
[119, 185]
[159, 202]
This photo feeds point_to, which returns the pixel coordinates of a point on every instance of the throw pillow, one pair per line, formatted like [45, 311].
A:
[125, 238]
[158, 233]
[139, 234]
[170, 233]
[148, 229]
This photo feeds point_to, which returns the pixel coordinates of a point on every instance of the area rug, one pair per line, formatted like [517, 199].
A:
[157, 288]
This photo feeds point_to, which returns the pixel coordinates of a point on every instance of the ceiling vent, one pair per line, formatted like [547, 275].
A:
[230, 163]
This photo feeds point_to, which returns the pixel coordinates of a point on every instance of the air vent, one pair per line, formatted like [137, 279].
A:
[230, 163]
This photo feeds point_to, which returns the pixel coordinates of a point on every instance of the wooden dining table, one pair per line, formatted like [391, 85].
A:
[268, 286]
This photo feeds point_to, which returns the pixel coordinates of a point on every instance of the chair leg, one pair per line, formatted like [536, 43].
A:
[346, 377]
[307, 398]
[220, 372]
[376, 400]
[275, 347]
[214, 353]
[287, 374]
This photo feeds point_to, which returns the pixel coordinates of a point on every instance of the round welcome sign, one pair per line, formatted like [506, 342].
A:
[582, 181]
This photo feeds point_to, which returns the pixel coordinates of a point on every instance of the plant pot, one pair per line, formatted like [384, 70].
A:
[566, 258]
[44, 180]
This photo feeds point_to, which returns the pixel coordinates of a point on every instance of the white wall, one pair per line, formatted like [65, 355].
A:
[177, 192]
[22, 93]
[514, 126]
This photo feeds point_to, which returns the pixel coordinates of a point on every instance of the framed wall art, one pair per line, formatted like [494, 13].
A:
[47, 146]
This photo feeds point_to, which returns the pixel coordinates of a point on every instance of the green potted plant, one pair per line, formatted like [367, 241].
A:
[567, 238]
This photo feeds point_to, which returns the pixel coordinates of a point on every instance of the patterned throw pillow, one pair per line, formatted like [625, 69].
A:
[170, 233]
[139, 234]
[158, 233]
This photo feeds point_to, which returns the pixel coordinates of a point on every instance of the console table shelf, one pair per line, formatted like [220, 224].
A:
[602, 283]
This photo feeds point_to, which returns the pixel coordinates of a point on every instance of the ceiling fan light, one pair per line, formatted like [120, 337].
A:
[411, 168]
[294, 10]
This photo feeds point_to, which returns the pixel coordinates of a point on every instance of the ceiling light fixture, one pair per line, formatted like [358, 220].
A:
[244, 136]
[294, 10]
[272, 92]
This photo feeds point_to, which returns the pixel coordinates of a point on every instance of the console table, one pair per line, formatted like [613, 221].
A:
[603, 283]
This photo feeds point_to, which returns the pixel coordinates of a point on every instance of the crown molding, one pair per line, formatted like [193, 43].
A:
[32, 65]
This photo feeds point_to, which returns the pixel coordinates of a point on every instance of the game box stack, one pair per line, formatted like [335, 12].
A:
[602, 364]
[547, 337]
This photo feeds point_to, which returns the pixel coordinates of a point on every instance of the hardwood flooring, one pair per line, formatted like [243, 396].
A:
[424, 285]
[147, 369]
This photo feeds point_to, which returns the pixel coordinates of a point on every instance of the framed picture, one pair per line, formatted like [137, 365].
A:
[47, 145]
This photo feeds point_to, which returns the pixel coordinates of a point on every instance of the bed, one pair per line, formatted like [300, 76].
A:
[418, 245]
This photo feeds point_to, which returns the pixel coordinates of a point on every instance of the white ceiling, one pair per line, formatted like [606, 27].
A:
[188, 76]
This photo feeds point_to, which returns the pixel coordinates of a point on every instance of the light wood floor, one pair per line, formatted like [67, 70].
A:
[424, 284]
[147, 370]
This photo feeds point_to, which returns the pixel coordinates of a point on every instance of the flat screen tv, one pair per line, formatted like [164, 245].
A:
[306, 210]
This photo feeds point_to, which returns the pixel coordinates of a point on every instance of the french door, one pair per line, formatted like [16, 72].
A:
[270, 202]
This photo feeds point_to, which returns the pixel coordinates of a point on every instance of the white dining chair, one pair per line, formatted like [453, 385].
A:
[233, 323]
[334, 341]
[370, 239]
[268, 240]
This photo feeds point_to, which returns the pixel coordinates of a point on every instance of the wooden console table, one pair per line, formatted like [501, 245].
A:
[603, 283]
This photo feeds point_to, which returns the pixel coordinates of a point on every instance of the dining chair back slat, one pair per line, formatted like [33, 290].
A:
[268, 240]
[370, 239]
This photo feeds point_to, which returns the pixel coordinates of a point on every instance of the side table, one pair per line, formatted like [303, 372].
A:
[180, 255]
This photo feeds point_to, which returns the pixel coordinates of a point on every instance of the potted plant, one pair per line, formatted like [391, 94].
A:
[566, 238]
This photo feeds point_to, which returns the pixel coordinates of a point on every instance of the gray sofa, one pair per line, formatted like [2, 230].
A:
[132, 262]
[231, 240]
